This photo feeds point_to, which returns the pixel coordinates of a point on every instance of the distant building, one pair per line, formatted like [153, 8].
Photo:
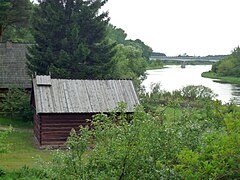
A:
[62, 104]
[13, 65]
[13, 71]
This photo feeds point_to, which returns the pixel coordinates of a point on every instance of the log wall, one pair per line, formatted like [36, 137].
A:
[53, 129]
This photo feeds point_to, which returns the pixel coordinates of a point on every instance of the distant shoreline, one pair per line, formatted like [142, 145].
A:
[221, 79]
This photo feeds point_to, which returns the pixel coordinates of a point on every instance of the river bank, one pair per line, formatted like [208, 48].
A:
[174, 77]
[159, 64]
[222, 79]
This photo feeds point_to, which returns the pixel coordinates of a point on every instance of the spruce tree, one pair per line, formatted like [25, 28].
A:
[13, 12]
[71, 40]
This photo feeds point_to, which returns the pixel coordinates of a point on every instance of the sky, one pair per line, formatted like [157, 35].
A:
[174, 27]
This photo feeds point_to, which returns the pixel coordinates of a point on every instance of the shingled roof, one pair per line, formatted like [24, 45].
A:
[81, 96]
[13, 65]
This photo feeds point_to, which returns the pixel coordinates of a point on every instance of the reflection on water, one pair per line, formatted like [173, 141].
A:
[174, 77]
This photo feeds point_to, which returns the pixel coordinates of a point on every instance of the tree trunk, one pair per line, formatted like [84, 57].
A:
[1, 33]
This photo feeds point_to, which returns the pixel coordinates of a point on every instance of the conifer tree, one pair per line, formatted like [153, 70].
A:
[71, 40]
[13, 12]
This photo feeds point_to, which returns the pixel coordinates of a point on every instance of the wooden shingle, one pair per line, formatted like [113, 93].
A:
[13, 71]
[82, 96]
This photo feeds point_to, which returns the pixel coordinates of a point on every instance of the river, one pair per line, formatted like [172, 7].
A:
[173, 77]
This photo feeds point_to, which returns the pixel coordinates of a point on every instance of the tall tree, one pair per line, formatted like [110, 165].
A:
[230, 65]
[129, 64]
[117, 34]
[71, 41]
[146, 50]
[13, 12]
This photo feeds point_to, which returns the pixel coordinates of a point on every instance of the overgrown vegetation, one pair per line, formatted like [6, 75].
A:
[4, 133]
[155, 64]
[229, 66]
[219, 78]
[184, 134]
[179, 135]
[14, 15]
[227, 69]
[16, 104]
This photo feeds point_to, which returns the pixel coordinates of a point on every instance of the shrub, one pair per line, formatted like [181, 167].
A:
[2, 172]
[4, 147]
[16, 103]
[143, 148]
[217, 156]
[192, 92]
[25, 173]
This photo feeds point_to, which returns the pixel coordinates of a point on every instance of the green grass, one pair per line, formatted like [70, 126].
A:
[222, 79]
[22, 150]
[16, 123]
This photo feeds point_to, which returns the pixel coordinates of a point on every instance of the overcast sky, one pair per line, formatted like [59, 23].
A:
[195, 27]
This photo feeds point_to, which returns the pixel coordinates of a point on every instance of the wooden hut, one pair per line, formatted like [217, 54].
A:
[13, 71]
[62, 104]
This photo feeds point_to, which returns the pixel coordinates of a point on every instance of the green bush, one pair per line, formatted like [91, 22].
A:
[16, 104]
[192, 92]
[2, 172]
[24, 173]
[217, 156]
[143, 148]
[193, 143]
[4, 147]
[187, 96]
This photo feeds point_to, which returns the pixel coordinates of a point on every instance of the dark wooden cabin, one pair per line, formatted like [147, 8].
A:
[62, 104]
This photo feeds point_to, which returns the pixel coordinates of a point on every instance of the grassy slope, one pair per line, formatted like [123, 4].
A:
[22, 150]
[223, 79]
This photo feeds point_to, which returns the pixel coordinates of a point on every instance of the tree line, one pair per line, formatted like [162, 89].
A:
[73, 39]
[230, 65]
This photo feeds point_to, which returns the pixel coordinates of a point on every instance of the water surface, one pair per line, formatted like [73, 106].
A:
[174, 77]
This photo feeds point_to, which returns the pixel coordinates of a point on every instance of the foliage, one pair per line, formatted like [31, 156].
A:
[118, 35]
[4, 147]
[13, 12]
[25, 173]
[183, 138]
[21, 32]
[2, 172]
[217, 156]
[192, 93]
[129, 64]
[155, 64]
[230, 65]
[18, 34]
[146, 50]
[157, 54]
[6, 121]
[130, 60]
[142, 146]
[222, 79]
[187, 96]
[77, 45]
[16, 103]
